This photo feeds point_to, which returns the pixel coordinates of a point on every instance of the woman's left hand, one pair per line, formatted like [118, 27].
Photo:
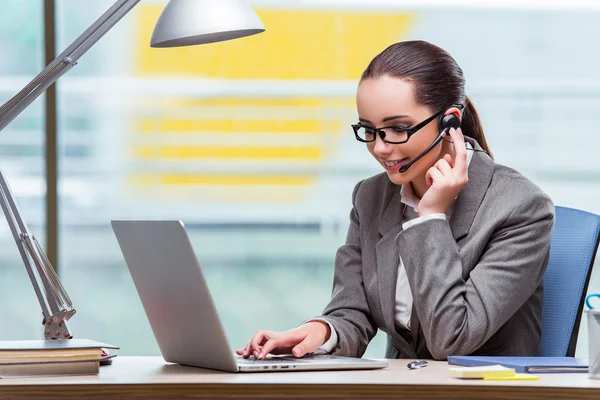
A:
[446, 178]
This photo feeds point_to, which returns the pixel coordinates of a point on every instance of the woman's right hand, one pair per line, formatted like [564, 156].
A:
[307, 338]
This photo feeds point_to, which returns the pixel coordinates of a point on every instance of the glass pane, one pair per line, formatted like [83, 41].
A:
[22, 163]
[243, 167]
[249, 143]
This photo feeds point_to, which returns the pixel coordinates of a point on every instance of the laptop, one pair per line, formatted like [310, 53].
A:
[180, 309]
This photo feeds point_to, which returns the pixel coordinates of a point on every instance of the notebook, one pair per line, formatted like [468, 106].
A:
[524, 364]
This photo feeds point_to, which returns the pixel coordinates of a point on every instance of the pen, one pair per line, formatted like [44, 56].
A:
[417, 364]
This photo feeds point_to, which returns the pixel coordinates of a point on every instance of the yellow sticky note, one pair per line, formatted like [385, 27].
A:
[515, 377]
[481, 372]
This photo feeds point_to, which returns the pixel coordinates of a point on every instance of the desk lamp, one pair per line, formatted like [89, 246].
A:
[182, 23]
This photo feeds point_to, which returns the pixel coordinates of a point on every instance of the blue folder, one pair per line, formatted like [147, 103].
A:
[555, 365]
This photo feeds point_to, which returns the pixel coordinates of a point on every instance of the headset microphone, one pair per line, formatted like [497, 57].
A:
[446, 123]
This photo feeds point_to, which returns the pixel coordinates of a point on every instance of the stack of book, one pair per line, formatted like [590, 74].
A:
[512, 368]
[51, 357]
[554, 365]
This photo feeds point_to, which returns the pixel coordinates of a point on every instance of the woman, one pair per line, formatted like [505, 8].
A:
[446, 250]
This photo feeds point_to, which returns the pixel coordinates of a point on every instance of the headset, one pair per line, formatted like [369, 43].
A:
[445, 123]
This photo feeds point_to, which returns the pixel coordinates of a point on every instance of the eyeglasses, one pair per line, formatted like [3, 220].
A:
[390, 134]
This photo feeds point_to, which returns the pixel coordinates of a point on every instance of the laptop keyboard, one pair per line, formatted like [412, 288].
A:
[268, 361]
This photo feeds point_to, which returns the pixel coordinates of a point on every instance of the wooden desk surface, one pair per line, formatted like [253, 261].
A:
[152, 378]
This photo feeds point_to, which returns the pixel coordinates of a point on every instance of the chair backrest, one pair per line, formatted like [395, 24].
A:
[572, 252]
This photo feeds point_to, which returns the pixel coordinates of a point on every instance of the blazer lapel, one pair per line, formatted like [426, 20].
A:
[388, 259]
[468, 201]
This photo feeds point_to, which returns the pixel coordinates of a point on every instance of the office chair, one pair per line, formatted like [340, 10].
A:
[572, 253]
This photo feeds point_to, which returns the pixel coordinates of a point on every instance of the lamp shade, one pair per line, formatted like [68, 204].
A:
[191, 22]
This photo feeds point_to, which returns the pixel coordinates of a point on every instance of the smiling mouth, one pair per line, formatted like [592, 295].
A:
[393, 163]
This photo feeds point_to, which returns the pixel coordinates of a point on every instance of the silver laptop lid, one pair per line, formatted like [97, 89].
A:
[174, 293]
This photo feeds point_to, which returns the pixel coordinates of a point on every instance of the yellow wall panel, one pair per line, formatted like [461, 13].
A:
[166, 125]
[224, 179]
[231, 152]
[251, 101]
[298, 45]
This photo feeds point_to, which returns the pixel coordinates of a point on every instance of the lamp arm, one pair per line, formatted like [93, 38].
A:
[56, 305]
[64, 62]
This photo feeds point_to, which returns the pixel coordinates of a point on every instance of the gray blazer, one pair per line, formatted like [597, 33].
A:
[476, 279]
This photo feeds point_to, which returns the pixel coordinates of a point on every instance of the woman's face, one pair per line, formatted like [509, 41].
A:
[388, 101]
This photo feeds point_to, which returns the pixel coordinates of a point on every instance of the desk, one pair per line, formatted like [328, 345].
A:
[152, 378]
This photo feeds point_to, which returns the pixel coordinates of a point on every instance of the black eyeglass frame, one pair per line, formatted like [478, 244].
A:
[411, 130]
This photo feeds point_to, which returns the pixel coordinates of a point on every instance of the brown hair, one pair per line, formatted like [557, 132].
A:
[438, 80]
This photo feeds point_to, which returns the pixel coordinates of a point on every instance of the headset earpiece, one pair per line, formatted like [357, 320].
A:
[445, 123]
[449, 121]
